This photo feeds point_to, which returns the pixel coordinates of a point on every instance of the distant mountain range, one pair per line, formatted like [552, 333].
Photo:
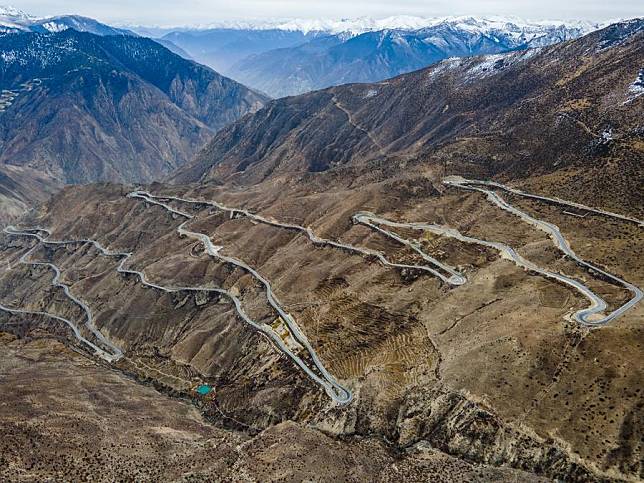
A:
[352, 26]
[540, 110]
[221, 49]
[291, 57]
[373, 56]
[82, 108]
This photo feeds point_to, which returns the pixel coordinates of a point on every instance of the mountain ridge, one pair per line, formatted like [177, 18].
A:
[377, 55]
[480, 102]
[131, 100]
[357, 26]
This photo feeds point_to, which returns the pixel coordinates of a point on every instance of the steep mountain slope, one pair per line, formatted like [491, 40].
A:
[325, 243]
[563, 108]
[374, 56]
[84, 108]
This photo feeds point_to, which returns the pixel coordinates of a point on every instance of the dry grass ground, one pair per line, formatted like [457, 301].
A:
[503, 340]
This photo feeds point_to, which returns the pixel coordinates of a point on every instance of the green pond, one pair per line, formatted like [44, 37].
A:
[204, 389]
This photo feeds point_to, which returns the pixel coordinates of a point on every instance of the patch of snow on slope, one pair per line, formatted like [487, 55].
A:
[54, 27]
[486, 66]
[491, 64]
[9, 57]
[636, 89]
[442, 66]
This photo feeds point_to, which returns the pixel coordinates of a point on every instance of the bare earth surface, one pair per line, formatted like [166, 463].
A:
[308, 290]
[67, 418]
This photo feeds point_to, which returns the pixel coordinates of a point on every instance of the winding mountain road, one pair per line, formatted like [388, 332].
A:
[338, 393]
[454, 278]
[592, 315]
[461, 182]
[114, 353]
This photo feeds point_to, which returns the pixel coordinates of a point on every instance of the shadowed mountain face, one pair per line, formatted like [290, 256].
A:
[558, 109]
[85, 108]
[373, 56]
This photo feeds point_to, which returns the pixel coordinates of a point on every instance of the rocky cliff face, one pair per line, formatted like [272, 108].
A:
[84, 108]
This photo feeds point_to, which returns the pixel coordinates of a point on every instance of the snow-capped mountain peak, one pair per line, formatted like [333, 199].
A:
[12, 19]
[360, 25]
[13, 13]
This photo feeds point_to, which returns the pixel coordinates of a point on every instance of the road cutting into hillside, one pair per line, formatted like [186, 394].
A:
[461, 182]
[113, 353]
[591, 316]
[338, 393]
[453, 277]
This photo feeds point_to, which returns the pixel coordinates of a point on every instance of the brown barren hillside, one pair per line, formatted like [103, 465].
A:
[566, 109]
[358, 313]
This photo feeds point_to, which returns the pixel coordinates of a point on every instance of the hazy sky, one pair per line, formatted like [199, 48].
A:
[177, 12]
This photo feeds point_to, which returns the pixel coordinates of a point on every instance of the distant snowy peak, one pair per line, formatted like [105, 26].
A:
[12, 19]
[13, 13]
[362, 25]
[78, 23]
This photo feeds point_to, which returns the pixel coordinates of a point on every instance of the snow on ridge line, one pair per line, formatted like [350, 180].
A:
[13, 12]
[357, 26]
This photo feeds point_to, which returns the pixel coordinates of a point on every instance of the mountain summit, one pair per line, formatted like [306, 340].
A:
[14, 20]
